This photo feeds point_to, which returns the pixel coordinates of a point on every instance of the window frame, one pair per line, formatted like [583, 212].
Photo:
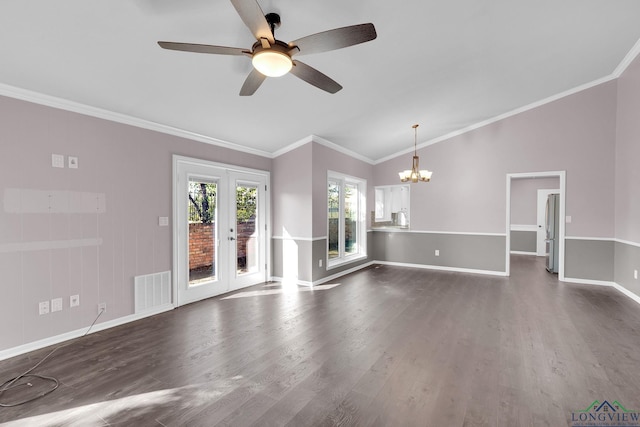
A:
[361, 223]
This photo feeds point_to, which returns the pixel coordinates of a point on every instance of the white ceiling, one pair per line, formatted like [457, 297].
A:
[444, 64]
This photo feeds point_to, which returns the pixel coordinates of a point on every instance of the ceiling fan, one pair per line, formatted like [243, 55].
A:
[273, 58]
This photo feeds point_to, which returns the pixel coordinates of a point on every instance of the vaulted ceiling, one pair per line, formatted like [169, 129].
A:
[444, 64]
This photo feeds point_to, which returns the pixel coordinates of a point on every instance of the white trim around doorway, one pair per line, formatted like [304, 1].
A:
[182, 160]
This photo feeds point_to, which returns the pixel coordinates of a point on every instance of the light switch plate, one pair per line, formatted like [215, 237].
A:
[56, 304]
[73, 162]
[568, 219]
[163, 221]
[43, 307]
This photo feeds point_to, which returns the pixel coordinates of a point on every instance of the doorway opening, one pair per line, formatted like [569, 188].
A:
[220, 228]
[511, 179]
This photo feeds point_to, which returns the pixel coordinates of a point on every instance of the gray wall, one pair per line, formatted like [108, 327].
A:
[627, 259]
[467, 192]
[291, 190]
[477, 252]
[524, 198]
[627, 173]
[320, 251]
[47, 255]
[589, 259]
[524, 241]
[308, 253]
[304, 222]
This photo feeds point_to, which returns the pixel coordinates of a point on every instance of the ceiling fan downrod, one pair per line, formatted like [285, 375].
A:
[273, 19]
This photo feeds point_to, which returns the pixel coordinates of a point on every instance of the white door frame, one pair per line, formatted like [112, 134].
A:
[182, 160]
[562, 176]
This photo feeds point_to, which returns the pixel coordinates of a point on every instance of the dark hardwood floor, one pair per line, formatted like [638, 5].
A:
[389, 346]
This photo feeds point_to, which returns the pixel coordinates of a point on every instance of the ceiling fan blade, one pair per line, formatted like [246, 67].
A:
[335, 39]
[253, 17]
[314, 77]
[204, 48]
[252, 83]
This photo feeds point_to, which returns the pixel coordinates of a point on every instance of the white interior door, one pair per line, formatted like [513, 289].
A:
[220, 229]
[541, 235]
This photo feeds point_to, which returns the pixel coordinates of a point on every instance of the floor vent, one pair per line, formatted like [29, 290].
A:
[152, 291]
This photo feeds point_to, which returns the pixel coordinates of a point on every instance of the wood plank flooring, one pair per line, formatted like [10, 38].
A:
[389, 346]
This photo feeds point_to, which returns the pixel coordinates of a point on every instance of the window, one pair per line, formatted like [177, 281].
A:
[346, 207]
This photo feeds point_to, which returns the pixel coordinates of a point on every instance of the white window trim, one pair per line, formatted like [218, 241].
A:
[362, 220]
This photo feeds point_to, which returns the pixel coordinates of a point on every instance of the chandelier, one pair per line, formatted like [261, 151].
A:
[415, 174]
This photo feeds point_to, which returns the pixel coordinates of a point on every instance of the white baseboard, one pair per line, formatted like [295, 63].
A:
[46, 342]
[443, 268]
[289, 280]
[343, 273]
[324, 279]
[588, 281]
[614, 285]
[627, 292]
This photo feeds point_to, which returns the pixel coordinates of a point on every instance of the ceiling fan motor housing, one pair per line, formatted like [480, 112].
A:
[273, 60]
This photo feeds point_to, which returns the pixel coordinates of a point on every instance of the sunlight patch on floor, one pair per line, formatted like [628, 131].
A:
[101, 413]
[282, 290]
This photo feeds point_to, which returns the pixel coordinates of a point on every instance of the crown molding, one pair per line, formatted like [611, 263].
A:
[503, 116]
[76, 107]
[324, 142]
[624, 64]
[627, 60]
[291, 147]
[342, 150]
[87, 110]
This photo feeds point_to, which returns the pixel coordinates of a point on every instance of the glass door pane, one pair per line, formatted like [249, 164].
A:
[247, 229]
[351, 219]
[202, 215]
[334, 219]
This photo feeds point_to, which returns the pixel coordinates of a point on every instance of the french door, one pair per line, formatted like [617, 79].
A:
[220, 228]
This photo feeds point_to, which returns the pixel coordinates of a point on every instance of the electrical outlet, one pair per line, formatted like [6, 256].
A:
[56, 304]
[57, 160]
[43, 307]
[320, 263]
[437, 252]
[74, 300]
[635, 274]
[102, 307]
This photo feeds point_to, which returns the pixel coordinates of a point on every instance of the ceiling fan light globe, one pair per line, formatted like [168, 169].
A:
[272, 63]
